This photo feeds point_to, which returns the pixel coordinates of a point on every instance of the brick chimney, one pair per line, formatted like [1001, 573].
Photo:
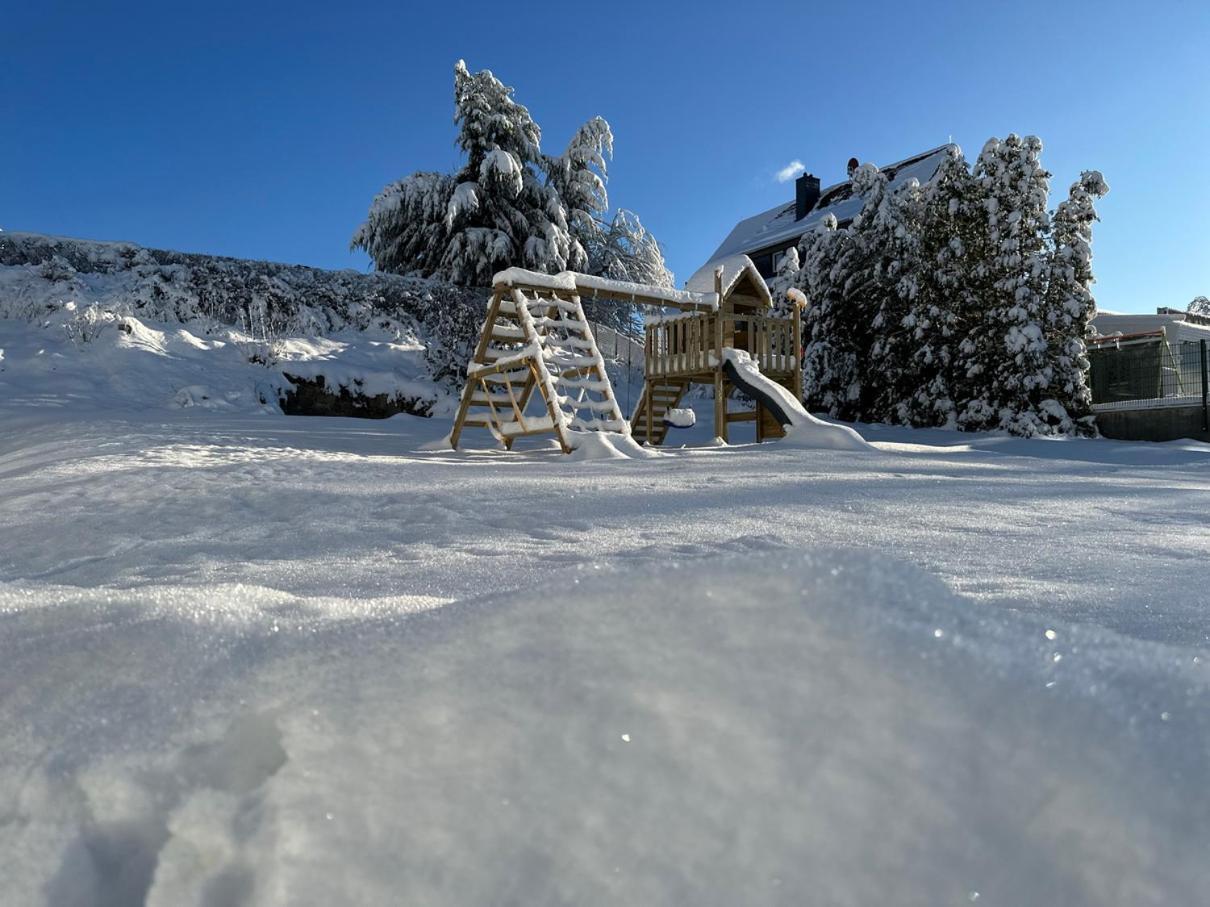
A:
[806, 194]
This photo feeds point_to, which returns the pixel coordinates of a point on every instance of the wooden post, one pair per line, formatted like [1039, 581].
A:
[720, 399]
[796, 349]
[650, 406]
[468, 389]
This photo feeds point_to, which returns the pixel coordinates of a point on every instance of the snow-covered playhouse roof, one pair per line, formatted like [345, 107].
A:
[778, 226]
[739, 277]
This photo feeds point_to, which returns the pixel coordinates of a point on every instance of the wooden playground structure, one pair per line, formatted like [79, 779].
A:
[537, 369]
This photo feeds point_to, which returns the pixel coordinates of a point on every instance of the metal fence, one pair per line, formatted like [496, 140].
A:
[1149, 374]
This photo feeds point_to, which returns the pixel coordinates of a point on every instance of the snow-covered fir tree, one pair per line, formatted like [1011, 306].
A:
[859, 281]
[498, 210]
[942, 309]
[579, 176]
[892, 232]
[619, 248]
[1070, 307]
[405, 231]
[832, 356]
[785, 277]
[510, 204]
[1003, 356]
[502, 212]
[959, 304]
[1199, 306]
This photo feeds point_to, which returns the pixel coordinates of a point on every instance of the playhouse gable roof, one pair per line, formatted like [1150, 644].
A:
[739, 276]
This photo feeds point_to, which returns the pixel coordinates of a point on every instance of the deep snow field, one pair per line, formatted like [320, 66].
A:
[255, 659]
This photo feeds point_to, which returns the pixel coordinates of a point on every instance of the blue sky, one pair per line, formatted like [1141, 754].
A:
[264, 130]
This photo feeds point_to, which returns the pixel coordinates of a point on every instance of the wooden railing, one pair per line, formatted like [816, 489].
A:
[687, 344]
[680, 345]
[770, 341]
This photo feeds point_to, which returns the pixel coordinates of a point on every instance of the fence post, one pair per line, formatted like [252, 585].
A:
[1205, 387]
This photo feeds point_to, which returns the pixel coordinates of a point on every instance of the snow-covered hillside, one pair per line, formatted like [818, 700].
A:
[277, 660]
[228, 332]
[138, 328]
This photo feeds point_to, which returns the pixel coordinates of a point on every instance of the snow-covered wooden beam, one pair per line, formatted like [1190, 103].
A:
[600, 287]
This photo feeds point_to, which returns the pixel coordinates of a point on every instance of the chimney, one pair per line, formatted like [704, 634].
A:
[806, 194]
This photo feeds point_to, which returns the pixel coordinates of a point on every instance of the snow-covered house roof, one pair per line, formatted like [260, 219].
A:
[779, 227]
[1186, 332]
[1109, 324]
[1118, 329]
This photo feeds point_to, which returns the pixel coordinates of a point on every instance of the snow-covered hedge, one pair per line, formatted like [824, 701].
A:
[145, 327]
[38, 274]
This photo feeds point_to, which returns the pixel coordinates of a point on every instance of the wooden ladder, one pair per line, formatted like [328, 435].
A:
[537, 340]
[659, 396]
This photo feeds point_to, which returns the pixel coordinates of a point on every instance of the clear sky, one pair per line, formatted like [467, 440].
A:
[264, 130]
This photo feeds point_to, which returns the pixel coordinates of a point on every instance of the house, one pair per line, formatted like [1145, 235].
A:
[765, 237]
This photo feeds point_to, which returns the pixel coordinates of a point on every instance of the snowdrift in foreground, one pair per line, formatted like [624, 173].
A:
[829, 728]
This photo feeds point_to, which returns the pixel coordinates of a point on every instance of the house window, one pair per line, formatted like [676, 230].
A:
[778, 258]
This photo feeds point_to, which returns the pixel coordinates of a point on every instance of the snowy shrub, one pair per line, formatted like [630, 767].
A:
[963, 303]
[1200, 307]
[84, 324]
[510, 204]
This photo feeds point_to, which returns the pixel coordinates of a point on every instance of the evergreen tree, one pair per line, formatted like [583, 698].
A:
[945, 304]
[785, 278]
[893, 233]
[631, 253]
[501, 213]
[510, 205]
[958, 304]
[405, 231]
[579, 176]
[855, 274]
[1070, 307]
[620, 248]
[1004, 352]
[626, 252]
[1199, 306]
[831, 359]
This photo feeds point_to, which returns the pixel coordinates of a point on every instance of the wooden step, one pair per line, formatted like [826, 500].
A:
[658, 399]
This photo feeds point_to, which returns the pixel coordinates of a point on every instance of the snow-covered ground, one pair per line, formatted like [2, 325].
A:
[249, 658]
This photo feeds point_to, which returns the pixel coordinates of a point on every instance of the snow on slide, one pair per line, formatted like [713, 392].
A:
[802, 429]
[831, 728]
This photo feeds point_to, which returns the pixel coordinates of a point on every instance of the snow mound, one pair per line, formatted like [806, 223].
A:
[829, 727]
[682, 417]
[601, 445]
[820, 434]
[441, 444]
